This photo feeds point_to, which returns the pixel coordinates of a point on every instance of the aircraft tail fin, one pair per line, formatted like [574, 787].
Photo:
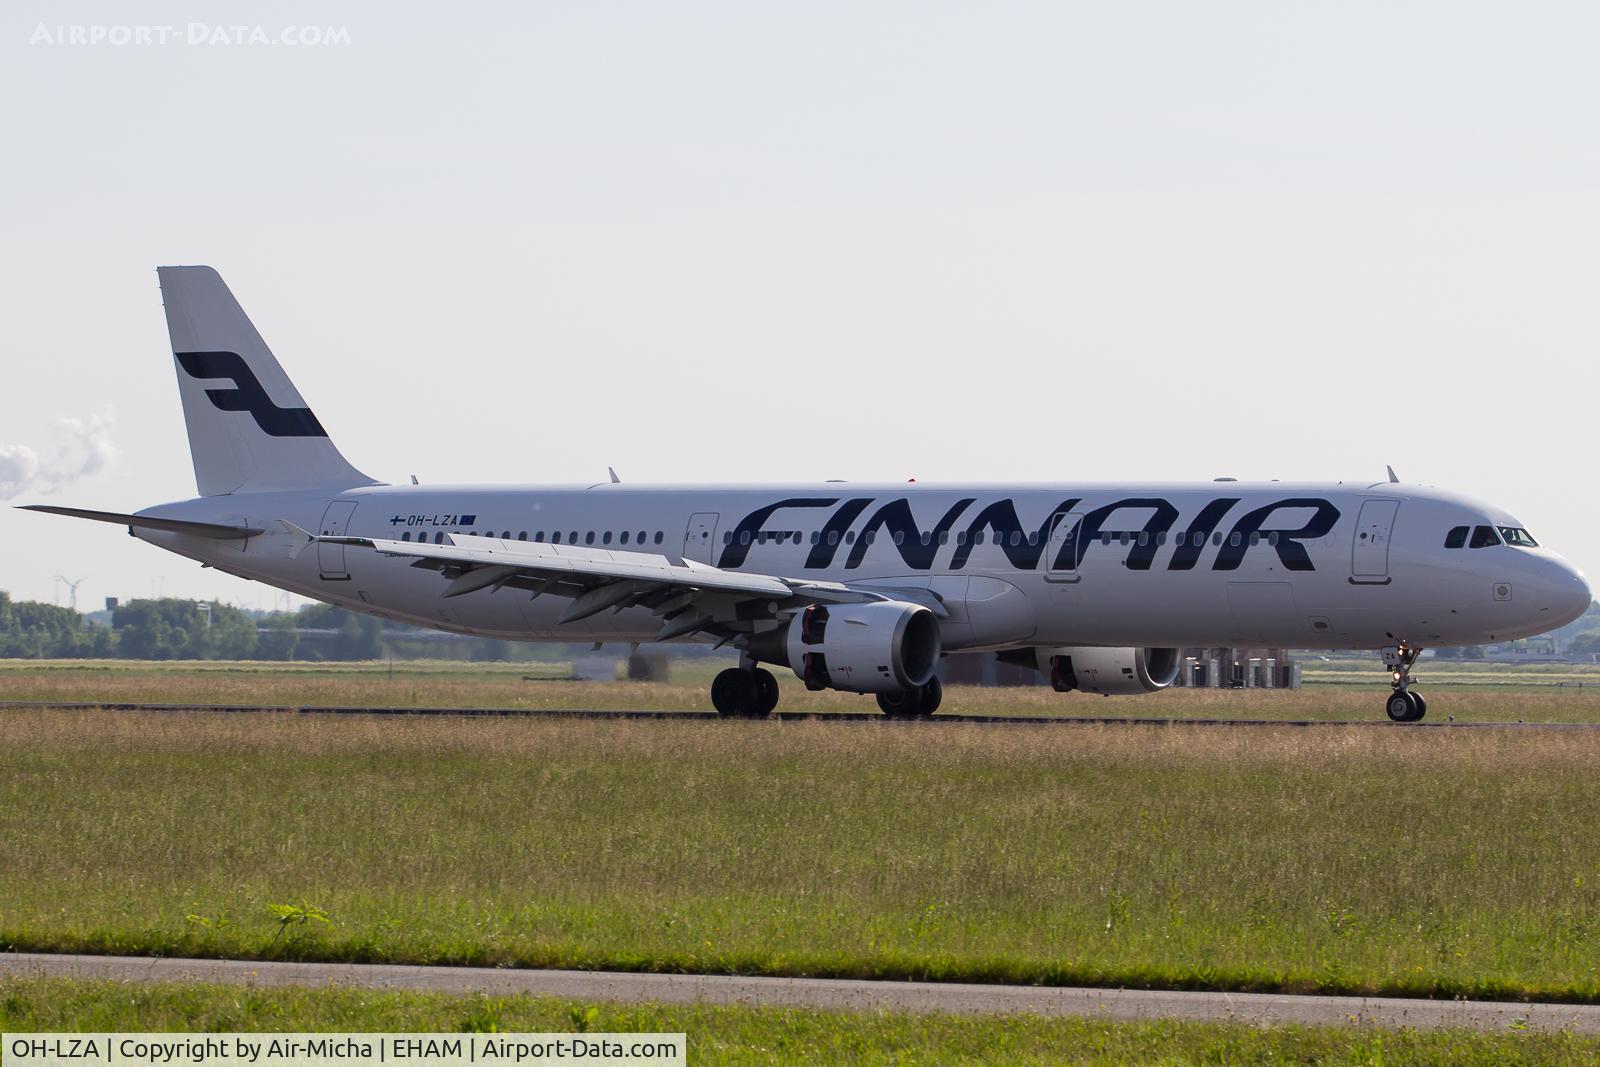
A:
[249, 429]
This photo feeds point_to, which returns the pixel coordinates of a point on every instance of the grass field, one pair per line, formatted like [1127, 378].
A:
[1396, 861]
[1471, 694]
[743, 1035]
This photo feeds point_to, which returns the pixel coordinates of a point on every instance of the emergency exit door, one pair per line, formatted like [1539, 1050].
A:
[700, 536]
[335, 523]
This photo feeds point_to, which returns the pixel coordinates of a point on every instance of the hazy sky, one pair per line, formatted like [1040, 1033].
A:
[739, 242]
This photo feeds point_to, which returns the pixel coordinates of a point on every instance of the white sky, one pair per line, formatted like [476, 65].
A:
[518, 242]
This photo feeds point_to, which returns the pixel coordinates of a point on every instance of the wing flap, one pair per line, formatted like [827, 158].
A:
[571, 561]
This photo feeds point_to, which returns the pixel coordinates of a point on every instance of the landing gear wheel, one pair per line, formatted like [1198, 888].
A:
[902, 704]
[738, 693]
[766, 693]
[1406, 706]
[916, 703]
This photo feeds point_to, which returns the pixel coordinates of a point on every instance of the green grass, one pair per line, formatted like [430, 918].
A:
[1391, 861]
[745, 1035]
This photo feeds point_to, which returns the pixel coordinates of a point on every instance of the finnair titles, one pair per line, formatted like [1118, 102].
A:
[853, 587]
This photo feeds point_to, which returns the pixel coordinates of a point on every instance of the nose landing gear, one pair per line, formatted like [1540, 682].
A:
[1403, 705]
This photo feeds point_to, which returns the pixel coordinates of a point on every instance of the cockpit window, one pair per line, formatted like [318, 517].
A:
[1483, 537]
[1457, 537]
[1515, 535]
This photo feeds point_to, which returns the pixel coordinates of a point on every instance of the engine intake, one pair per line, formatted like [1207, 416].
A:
[883, 647]
[1109, 671]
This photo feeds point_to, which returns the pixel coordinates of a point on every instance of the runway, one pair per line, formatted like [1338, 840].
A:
[833, 994]
[841, 717]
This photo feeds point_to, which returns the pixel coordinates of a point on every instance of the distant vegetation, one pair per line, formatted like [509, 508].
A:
[172, 629]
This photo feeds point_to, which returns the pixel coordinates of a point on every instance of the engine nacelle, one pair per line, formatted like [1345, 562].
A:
[884, 647]
[1109, 671]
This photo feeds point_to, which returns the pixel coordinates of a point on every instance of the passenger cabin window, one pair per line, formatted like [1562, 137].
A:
[659, 536]
[1483, 537]
[1515, 535]
[1457, 537]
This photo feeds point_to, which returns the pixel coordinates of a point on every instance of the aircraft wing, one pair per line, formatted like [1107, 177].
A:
[689, 596]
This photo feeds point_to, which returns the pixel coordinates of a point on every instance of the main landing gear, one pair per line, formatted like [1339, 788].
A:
[917, 703]
[744, 693]
[1404, 704]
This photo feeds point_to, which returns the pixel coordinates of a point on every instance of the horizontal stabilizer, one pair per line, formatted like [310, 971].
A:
[215, 531]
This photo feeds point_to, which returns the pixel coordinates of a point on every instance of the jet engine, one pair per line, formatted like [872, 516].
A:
[1109, 671]
[882, 647]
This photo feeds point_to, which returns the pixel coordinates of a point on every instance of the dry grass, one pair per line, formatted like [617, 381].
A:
[1405, 861]
[504, 686]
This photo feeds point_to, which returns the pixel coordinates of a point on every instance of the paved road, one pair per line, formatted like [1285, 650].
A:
[835, 994]
[842, 717]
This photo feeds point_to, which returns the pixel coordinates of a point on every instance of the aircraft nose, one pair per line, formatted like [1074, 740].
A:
[1563, 591]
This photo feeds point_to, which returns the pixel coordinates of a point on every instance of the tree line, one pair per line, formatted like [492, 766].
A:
[182, 629]
[169, 629]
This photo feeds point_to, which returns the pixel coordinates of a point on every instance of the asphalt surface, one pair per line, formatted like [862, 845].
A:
[791, 716]
[833, 994]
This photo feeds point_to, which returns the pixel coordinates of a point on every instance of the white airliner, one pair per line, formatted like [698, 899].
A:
[854, 587]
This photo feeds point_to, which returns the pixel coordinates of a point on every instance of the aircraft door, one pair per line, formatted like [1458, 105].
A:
[1370, 555]
[1061, 551]
[700, 536]
[335, 523]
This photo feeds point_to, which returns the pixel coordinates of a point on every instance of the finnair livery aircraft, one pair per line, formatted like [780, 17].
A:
[853, 587]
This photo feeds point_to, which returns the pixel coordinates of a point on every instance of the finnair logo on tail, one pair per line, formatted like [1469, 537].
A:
[247, 395]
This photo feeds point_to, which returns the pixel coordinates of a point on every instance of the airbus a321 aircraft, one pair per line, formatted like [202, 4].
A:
[853, 587]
